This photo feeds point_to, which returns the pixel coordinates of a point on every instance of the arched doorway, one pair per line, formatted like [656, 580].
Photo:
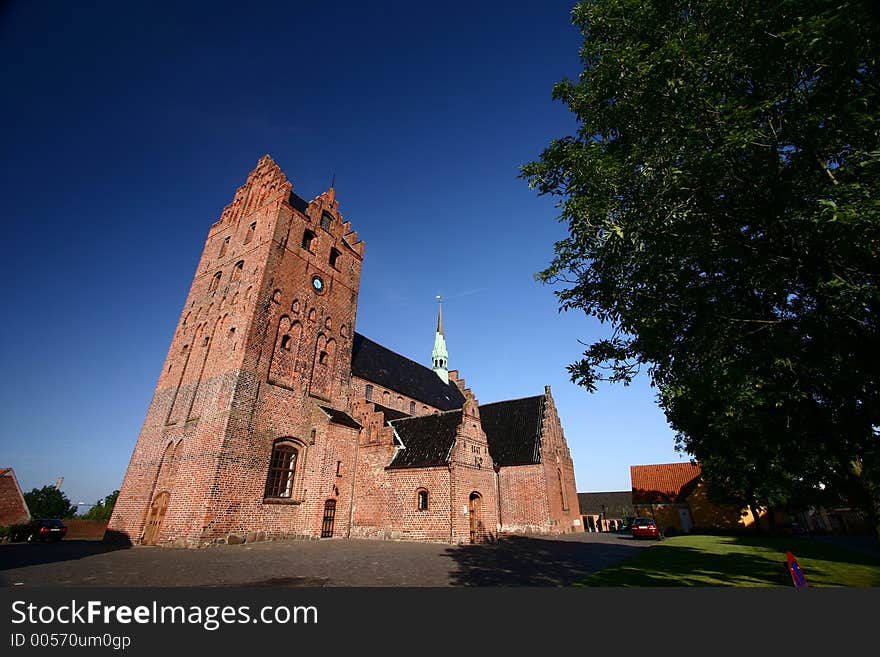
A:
[475, 507]
[155, 518]
[329, 519]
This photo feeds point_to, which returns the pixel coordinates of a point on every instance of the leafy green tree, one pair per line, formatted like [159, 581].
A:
[102, 509]
[722, 195]
[49, 502]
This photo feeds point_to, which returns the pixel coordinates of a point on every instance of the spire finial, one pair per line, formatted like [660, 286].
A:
[439, 314]
[439, 356]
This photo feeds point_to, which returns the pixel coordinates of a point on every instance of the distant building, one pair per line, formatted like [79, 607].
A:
[603, 512]
[13, 508]
[272, 417]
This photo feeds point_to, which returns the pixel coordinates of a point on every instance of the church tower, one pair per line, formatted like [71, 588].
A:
[239, 438]
[439, 357]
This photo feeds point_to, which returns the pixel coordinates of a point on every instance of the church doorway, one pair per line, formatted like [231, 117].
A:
[475, 506]
[329, 519]
[155, 518]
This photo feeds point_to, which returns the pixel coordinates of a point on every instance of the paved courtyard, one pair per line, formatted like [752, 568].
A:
[512, 561]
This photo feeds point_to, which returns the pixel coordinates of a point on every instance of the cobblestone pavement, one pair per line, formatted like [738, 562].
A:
[512, 561]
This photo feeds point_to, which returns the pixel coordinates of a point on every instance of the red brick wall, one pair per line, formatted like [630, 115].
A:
[395, 400]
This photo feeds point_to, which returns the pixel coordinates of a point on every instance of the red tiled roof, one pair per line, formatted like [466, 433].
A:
[663, 482]
[3, 471]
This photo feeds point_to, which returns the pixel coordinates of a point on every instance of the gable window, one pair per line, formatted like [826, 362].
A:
[368, 392]
[282, 467]
[250, 233]
[334, 256]
[223, 247]
[412, 408]
[215, 281]
[308, 238]
[326, 219]
[236, 271]
[423, 500]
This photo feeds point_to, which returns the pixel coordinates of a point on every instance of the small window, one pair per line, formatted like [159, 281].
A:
[423, 500]
[326, 220]
[282, 467]
[334, 256]
[338, 468]
[308, 238]
[236, 271]
[322, 358]
[285, 342]
[250, 233]
[215, 281]
[368, 392]
[412, 408]
[223, 247]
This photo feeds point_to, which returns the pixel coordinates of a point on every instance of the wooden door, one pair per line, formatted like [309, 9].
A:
[329, 519]
[155, 518]
[474, 507]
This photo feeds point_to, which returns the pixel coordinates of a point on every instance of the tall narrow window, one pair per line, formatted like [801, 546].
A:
[412, 408]
[236, 271]
[282, 467]
[250, 233]
[215, 281]
[423, 500]
[368, 392]
[223, 247]
[326, 219]
[334, 256]
[308, 238]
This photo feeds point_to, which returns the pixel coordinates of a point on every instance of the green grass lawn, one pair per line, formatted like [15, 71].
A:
[700, 560]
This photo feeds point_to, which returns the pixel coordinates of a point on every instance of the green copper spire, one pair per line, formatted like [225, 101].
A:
[439, 357]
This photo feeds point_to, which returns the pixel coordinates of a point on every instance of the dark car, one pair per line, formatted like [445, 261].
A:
[645, 528]
[46, 529]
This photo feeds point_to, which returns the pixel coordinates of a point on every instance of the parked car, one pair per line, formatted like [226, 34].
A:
[645, 528]
[45, 529]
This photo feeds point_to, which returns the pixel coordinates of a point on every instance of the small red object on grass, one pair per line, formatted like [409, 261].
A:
[794, 569]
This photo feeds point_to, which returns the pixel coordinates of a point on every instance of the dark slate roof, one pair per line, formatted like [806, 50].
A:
[373, 362]
[341, 417]
[390, 413]
[514, 430]
[298, 203]
[427, 439]
[615, 503]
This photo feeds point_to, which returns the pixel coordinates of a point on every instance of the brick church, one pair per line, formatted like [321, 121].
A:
[273, 418]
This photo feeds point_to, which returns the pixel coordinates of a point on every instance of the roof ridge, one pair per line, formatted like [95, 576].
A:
[507, 401]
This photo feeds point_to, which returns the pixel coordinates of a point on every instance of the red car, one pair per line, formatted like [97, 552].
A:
[645, 528]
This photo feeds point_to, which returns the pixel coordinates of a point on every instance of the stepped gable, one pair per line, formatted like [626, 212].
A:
[514, 429]
[380, 365]
[427, 439]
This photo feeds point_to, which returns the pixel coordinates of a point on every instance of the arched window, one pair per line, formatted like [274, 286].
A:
[250, 233]
[215, 281]
[368, 392]
[224, 245]
[282, 468]
[422, 500]
[412, 408]
[326, 220]
[236, 271]
[308, 238]
[334, 256]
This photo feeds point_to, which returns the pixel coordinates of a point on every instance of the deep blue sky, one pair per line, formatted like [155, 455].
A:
[128, 128]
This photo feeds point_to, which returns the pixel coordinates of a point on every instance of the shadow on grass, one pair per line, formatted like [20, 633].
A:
[526, 561]
[737, 561]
